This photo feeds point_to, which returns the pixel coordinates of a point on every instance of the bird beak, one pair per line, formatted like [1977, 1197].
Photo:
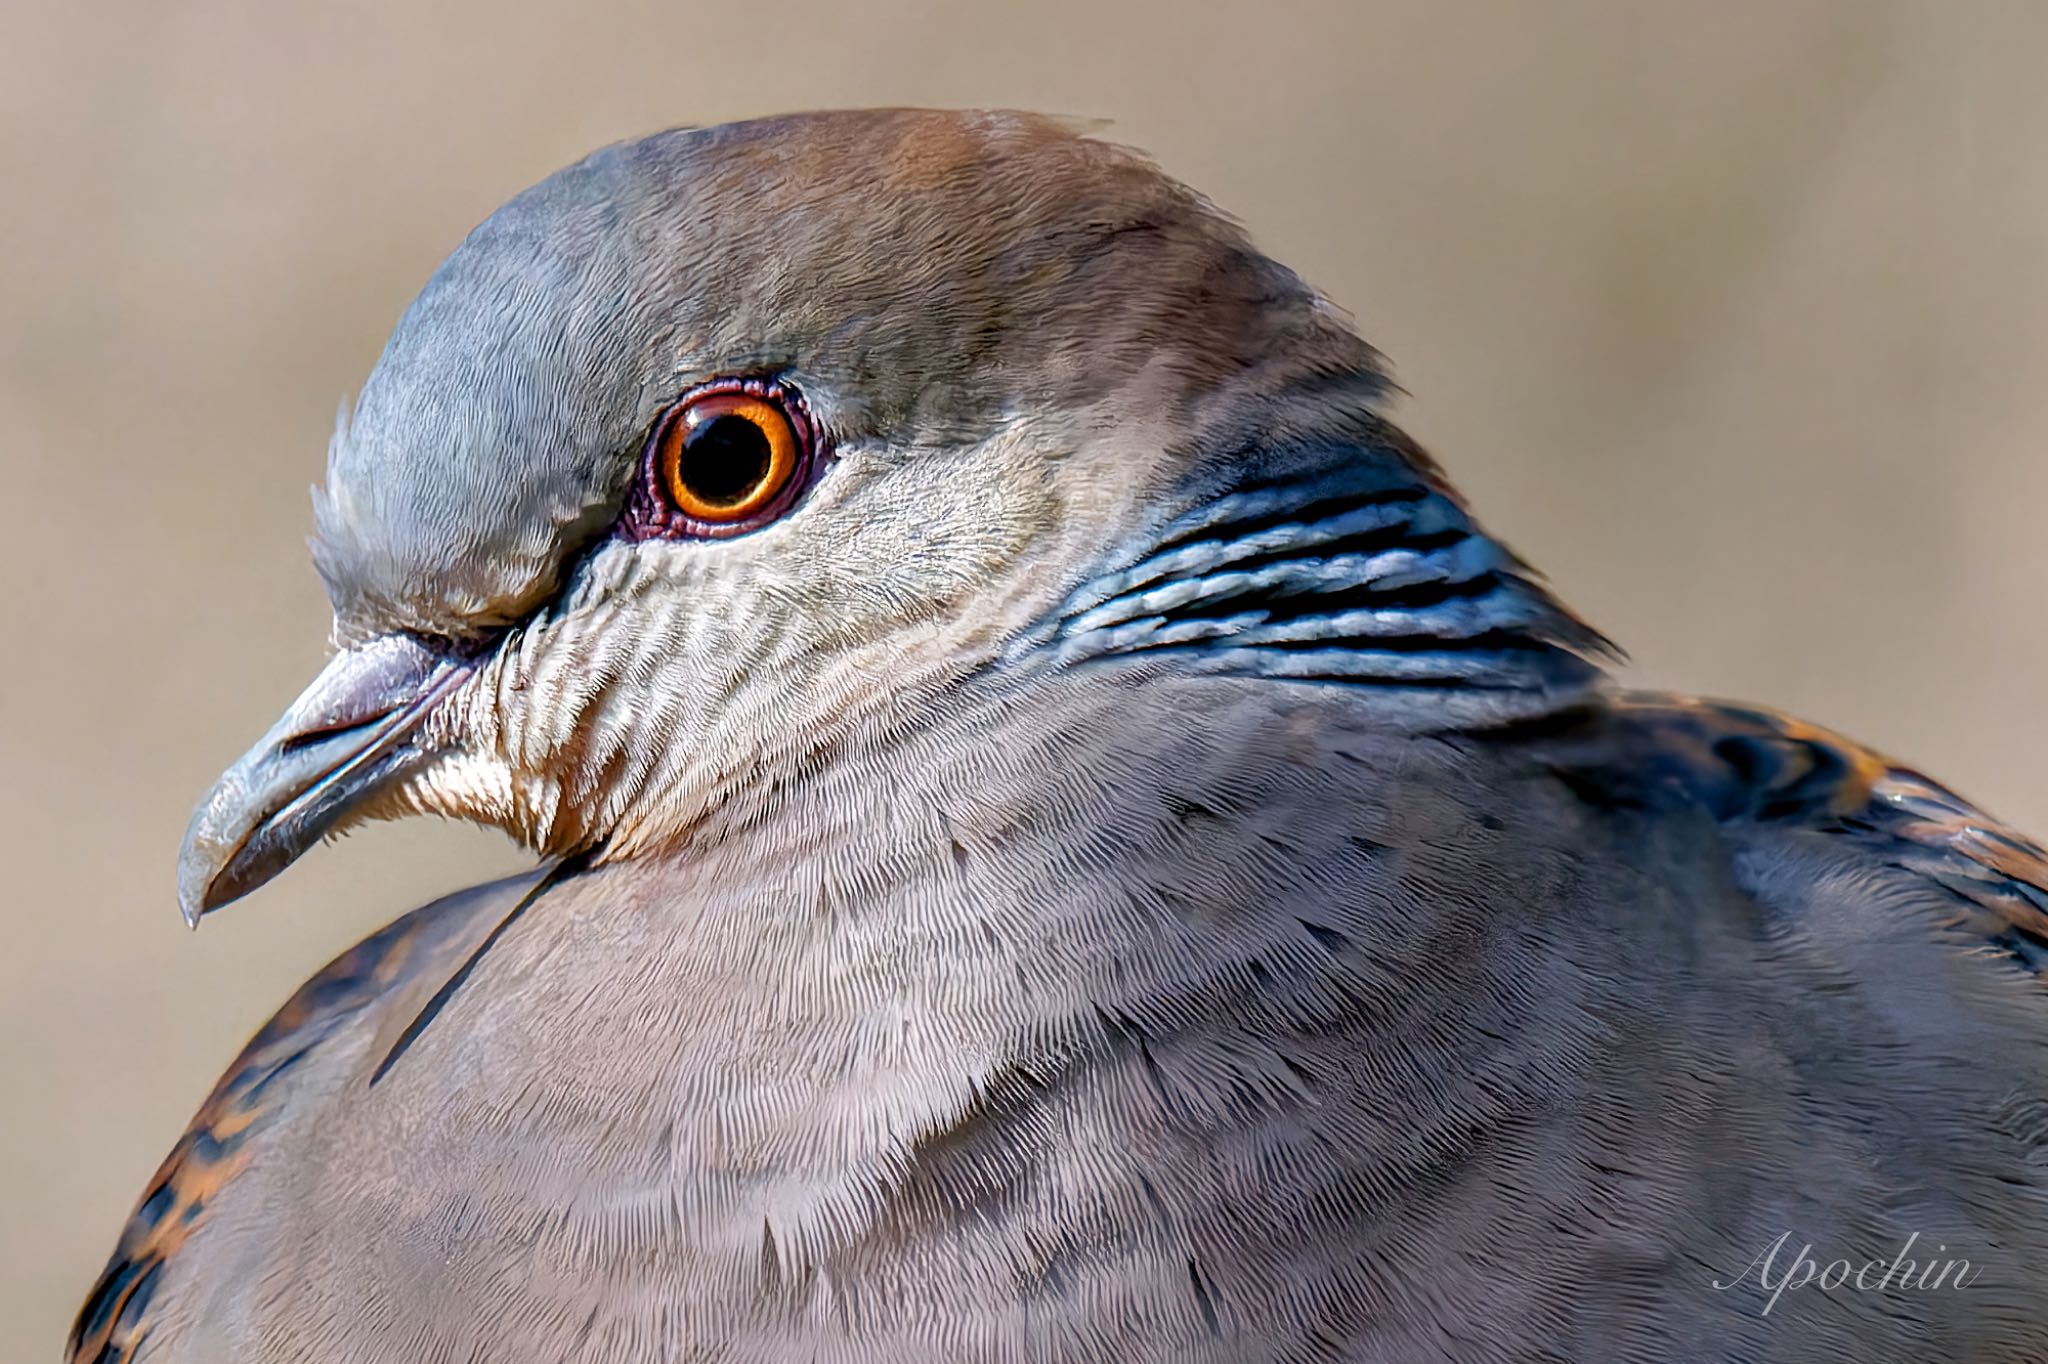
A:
[345, 739]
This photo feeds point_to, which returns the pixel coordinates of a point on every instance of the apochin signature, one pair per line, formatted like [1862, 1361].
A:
[1871, 1276]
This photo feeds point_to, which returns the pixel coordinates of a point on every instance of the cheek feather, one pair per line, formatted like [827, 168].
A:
[677, 675]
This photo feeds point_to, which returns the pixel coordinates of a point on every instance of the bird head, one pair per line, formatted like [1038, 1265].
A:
[725, 446]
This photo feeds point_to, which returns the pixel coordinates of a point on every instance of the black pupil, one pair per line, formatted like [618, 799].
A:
[724, 460]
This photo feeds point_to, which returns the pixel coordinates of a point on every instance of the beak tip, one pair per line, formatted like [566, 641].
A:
[199, 873]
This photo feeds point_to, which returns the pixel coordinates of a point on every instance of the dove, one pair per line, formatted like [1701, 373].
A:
[1059, 837]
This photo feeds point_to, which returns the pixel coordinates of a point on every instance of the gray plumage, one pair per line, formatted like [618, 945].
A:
[1125, 869]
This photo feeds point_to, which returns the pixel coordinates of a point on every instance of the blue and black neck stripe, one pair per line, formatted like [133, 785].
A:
[1342, 564]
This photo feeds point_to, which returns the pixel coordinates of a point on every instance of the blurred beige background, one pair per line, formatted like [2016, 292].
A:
[1733, 316]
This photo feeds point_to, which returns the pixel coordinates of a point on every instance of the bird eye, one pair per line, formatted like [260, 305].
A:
[723, 457]
[727, 457]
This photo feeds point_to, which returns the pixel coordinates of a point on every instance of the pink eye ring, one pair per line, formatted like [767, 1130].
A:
[727, 457]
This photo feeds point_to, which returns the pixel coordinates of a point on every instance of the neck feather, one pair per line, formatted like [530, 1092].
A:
[1341, 561]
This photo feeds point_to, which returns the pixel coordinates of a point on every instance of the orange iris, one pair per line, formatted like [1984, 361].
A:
[725, 456]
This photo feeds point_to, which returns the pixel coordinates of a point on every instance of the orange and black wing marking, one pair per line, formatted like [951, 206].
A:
[1759, 767]
[115, 1321]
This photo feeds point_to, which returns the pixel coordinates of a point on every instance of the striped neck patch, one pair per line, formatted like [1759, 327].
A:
[1358, 570]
